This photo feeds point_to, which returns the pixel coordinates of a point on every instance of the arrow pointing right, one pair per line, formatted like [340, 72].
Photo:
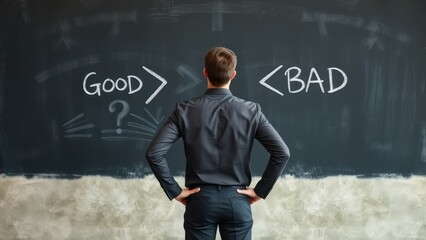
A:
[185, 71]
[163, 83]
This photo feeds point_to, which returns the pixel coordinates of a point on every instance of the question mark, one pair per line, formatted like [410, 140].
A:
[122, 114]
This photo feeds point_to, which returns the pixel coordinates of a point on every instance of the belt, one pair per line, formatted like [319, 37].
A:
[218, 187]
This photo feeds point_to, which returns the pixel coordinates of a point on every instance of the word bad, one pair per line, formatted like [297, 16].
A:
[132, 84]
[296, 84]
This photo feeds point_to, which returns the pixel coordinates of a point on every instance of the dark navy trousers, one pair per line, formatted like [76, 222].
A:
[218, 206]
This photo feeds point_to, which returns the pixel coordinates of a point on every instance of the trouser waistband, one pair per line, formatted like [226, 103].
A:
[218, 187]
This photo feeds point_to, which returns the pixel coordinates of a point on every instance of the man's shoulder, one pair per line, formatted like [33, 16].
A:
[231, 99]
[244, 101]
[241, 102]
[191, 102]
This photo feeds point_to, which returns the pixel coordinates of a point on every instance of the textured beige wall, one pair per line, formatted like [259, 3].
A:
[342, 207]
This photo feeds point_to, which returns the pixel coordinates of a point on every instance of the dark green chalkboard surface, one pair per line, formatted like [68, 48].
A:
[84, 85]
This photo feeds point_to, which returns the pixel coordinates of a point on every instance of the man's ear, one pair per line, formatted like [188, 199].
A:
[233, 75]
[205, 73]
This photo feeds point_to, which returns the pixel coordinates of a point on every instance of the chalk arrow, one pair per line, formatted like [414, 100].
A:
[372, 41]
[157, 119]
[162, 80]
[263, 81]
[185, 71]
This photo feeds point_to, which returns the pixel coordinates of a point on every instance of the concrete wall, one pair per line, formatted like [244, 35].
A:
[342, 207]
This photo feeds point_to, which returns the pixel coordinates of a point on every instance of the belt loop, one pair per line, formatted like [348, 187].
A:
[219, 187]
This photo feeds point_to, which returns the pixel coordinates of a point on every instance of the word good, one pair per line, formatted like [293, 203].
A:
[132, 84]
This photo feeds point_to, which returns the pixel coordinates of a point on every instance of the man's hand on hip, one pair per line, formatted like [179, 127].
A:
[185, 194]
[250, 193]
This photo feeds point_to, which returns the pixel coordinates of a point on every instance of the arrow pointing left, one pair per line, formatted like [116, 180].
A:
[263, 81]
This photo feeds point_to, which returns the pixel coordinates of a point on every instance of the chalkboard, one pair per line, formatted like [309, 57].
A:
[84, 85]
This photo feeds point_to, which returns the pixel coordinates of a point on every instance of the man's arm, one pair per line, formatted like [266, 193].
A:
[155, 155]
[280, 154]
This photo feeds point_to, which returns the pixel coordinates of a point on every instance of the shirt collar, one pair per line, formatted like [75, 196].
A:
[218, 91]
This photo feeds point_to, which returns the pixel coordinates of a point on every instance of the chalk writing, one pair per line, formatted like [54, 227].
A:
[122, 114]
[132, 84]
[162, 80]
[108, 85]
[263, 80]
[141, 129]
[293, 74]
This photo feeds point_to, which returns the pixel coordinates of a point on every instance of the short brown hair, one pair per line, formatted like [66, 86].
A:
[220, 63]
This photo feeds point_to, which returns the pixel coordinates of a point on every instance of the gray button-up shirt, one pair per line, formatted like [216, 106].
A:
[218, 130]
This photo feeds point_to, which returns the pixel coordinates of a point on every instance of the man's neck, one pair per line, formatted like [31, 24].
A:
[209, 86]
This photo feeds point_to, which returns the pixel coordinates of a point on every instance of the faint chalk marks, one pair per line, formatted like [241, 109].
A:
[189, 73]
[161, 13]
[65, 27]
[124, 56]
[423, 152]
[328, 18]
[140, 129]
[344, 127]
[374, 28]
[91, 3]
[373, 40]
[2, 69]
[65, 38]
[151, 125]
[5, 152]
[349, 4]
[158, 118]
[24, 11]
[66, 41]
[217, 16]
[115, 19]
[76, 125]
[66, 66]
[170, 11]
[21, 5]
[123, 137]
[78, 117]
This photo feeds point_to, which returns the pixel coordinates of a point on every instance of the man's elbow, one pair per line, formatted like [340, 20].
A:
[287, 153]
[150, 155]
[284, 153]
